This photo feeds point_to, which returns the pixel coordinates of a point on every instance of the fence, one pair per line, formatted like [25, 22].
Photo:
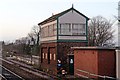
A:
[89, 75]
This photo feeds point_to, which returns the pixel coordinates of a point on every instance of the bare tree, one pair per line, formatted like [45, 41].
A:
[22, 45]
[35, 35]
[100, 32]
[36, 32]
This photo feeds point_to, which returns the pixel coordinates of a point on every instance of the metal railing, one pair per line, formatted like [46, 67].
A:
[94, 75]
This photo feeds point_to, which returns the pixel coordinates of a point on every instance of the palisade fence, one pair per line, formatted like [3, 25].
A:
[89, 75]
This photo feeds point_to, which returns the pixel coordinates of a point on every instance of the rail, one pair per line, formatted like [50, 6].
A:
[6, 61]
[2, 77]
[30, 70]
[94, 75]
[10, 73]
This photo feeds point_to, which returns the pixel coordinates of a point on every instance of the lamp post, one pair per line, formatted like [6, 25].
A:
[31, 44]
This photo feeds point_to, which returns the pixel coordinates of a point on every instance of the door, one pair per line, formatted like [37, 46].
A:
[71, 64]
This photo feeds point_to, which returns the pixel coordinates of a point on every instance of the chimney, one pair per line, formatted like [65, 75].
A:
[52, 14]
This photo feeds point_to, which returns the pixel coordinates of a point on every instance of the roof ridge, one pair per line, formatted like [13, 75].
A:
[54, 17]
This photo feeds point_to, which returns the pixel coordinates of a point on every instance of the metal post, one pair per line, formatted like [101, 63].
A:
[32, 43]
[31, 55]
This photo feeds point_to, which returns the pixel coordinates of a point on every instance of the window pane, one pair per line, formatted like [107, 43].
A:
[78, 29]
[72, 29]
[54, 29]
[65, 29]
[50, 30]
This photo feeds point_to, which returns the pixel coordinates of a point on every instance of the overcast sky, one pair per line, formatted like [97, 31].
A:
[18, 16]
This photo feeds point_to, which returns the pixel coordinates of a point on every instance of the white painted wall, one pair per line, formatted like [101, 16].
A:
[50, 23]
[72, 17]
[49, 38]
[73, 37]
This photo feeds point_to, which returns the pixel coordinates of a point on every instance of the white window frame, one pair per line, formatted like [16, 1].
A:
[46, 56]
[78, 30]
[54, 56]
[65, 27]
[50, 56]
[43, 55]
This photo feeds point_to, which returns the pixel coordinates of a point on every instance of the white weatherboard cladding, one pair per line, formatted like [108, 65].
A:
[73, 37]
[50, 23]
[72, 17]
[49, 38]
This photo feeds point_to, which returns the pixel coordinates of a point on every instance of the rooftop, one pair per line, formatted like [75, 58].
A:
[54, 17]
[99, 48]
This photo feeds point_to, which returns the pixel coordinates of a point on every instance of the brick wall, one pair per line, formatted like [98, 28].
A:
[60, 50]
[85, 60]
[106, 64]
[96, 61]
[64, 49]
[48, 57]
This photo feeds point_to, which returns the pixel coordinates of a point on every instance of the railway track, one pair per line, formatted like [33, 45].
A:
[8, 75]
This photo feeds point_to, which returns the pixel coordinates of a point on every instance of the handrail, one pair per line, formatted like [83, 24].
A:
[91, 74]
[82, 75]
